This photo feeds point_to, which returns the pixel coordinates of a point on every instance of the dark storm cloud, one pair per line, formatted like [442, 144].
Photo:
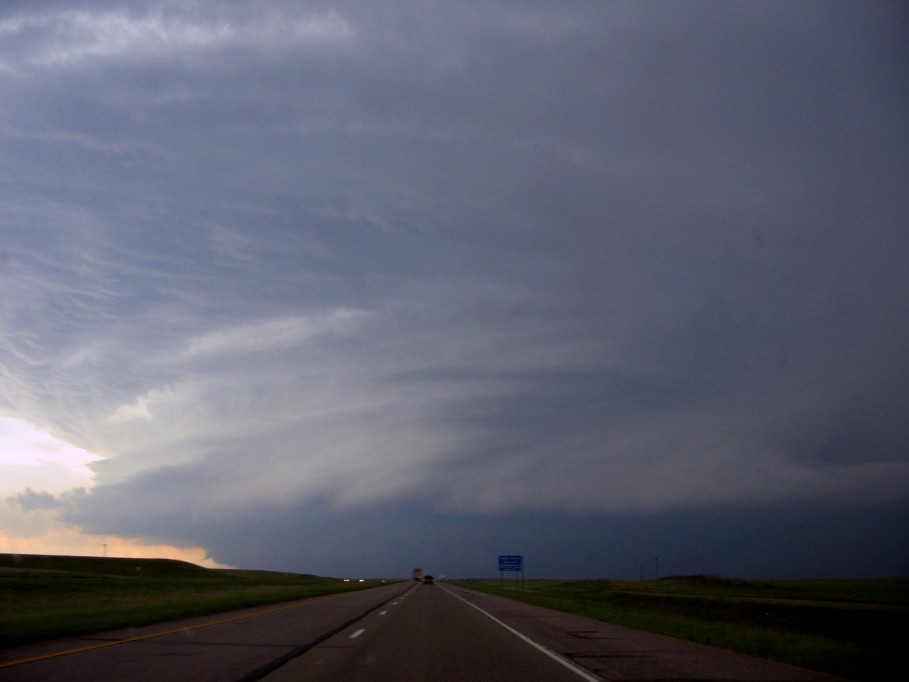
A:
[600, 261]
[806, 540]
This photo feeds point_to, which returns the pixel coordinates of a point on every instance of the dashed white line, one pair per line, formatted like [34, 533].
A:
[357, 633]
[382, 613]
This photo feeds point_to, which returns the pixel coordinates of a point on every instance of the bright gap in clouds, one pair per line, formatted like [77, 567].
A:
[32, 458]
[38, 472]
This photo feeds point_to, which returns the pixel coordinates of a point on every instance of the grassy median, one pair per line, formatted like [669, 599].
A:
[851, 628]
[47, 597]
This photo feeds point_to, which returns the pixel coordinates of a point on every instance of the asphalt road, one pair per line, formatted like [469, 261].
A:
[230, 647]
[402, 632]
[429, 634]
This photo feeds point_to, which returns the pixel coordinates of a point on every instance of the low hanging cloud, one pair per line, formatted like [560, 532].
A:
[591, 261]
[29, 500]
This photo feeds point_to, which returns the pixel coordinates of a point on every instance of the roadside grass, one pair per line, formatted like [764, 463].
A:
[849, 628]
[40, 598]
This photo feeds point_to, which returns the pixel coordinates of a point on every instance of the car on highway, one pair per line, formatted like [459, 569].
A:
[427, 580]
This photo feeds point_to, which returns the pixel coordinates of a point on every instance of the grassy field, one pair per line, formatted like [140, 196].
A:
[45, 597]
[851, 628]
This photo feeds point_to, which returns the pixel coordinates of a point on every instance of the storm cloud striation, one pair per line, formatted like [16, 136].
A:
[354, 287]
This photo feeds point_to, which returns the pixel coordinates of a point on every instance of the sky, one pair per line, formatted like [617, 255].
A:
[351, 287]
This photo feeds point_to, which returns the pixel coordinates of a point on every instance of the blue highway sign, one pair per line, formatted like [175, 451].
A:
[511, 562]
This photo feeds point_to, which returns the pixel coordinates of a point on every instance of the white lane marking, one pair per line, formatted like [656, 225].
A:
[580, 672]
[357, 633]
[382, 613]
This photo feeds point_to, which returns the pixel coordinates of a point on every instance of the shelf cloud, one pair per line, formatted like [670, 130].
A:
[418, 283]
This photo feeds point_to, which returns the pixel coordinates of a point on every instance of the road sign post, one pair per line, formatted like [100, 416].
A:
[513, 563]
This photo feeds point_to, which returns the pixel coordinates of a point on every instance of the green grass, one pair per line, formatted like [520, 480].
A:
[47, 597]
[850, 628]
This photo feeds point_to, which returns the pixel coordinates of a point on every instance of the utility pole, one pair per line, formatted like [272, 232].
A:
[104, 554]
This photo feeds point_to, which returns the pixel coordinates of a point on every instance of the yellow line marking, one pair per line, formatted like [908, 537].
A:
[67, 652]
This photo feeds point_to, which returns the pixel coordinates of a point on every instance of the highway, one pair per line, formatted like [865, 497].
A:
[237, 646]
[429, 633]
[402, 632]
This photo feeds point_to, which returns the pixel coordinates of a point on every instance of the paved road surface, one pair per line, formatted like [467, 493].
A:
[402, 632]
[616, 653]
[429, 634]
[241, 645]
[444, 634]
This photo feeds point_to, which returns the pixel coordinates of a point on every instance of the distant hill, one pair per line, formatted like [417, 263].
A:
[105, 565]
